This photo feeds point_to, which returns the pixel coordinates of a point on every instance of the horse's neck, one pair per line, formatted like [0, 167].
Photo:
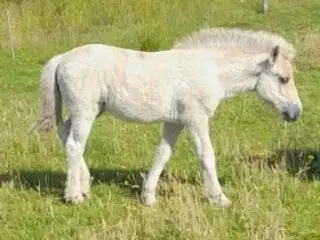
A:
[239, 76]
[235, 84]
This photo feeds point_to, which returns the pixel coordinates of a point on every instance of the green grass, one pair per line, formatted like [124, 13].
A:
[261, 162]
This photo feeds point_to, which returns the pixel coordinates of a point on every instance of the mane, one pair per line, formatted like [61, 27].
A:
[248, 41]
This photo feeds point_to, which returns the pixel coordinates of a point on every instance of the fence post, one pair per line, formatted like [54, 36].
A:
[10, 34]
[265, 6]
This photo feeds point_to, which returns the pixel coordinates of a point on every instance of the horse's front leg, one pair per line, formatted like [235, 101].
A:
[199, 131]
[164, 150]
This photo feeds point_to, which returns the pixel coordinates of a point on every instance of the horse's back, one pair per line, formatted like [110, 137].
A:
[139, 86]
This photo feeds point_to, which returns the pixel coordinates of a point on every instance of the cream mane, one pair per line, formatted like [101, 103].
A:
[247, 41]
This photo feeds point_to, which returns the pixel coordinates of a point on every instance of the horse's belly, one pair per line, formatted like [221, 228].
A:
[140, 101]
[129, 110]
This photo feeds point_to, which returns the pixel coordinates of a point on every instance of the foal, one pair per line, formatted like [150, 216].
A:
[181, 87]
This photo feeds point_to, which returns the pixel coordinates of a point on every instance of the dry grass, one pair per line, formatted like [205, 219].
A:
[263, 165]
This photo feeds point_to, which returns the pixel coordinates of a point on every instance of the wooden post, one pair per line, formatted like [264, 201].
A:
[10, 34]
[265, 6]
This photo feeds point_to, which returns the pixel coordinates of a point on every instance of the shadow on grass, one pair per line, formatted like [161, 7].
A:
[50, 182]
[301, 163]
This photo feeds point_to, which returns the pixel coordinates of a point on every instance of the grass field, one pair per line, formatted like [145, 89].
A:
[268, 169]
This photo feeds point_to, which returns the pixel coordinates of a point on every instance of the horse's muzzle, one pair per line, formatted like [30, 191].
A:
[292, 112]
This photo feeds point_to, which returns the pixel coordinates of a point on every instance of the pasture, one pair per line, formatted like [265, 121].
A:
[270, 170]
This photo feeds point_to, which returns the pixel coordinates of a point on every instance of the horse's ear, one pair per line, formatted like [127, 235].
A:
[275, 52]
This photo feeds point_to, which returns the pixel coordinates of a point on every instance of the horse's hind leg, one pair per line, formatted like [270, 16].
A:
[164, 150]
[75, 145]
[199, 131]
[63, 133]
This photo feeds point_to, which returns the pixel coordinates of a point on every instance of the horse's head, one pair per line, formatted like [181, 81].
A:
[276, 85]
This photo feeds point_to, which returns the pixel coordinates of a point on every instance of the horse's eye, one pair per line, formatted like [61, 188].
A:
[284, 79]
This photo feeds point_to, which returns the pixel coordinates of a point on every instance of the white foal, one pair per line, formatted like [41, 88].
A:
[179, 87]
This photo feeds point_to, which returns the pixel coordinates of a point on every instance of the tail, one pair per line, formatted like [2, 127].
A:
[51, 105]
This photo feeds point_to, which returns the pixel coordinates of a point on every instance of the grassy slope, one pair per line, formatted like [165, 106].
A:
[267, 204]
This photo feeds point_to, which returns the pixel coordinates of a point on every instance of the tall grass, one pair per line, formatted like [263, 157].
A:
[44, 22]
[142, 24]
[263, 164]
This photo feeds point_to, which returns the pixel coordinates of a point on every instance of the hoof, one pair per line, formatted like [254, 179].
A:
[73, 199]
[148, 199]
[220, 200]
[86, 195]
[85, 187]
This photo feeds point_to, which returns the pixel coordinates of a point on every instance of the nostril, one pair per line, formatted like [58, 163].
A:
[286, 116]
[291, 112]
